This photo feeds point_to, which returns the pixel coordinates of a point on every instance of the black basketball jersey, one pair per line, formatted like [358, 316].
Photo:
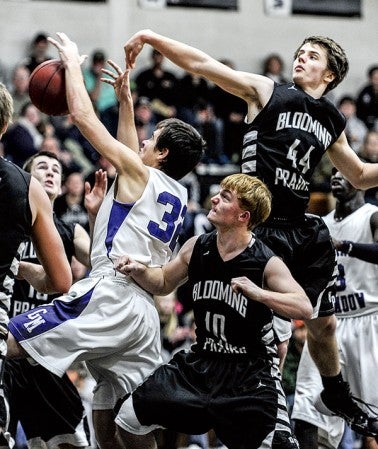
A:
[15, 226]
[228, 322]
[25, 297]
[286, 141]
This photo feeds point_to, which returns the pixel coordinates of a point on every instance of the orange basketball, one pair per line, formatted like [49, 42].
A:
[47, 88]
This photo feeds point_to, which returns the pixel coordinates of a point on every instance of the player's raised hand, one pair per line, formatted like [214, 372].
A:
[133, 47]
[119, 79]
[94, 197]
[67, 49]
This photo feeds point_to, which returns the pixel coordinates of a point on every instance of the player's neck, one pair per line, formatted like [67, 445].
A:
[232, 243]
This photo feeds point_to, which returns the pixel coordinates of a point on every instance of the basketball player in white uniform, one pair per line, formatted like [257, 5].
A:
[107, 320]
[354, 227]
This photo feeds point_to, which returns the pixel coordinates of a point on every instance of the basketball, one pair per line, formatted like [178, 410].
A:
[47, 88]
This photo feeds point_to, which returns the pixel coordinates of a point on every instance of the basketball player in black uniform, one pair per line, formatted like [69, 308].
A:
[230, 379]
[48, 407]
[26, 212]
[291, 126]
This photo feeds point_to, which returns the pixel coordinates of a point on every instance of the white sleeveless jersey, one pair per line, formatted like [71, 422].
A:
[357, 283]
[146, 230]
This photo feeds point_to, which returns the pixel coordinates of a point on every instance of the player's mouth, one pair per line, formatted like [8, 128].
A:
[299, 68]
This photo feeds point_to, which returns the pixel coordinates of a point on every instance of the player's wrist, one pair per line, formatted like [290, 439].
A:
[346, 247]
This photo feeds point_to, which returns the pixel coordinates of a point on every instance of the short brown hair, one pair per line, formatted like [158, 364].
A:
[337, 61]
[253, 195]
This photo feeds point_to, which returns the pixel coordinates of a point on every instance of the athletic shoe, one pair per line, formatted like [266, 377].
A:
[340, 402]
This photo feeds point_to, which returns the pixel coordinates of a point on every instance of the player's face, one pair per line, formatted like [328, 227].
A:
[341, 188]
[48, 172]
[225, 209]
[147, 153]
[310, 66]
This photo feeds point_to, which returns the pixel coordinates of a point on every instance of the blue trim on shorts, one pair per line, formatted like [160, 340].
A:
[44, 318]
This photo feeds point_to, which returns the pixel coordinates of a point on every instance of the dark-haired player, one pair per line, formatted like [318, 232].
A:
[106, 319]
[291, 126]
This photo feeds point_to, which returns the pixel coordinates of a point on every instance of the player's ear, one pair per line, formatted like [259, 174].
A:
[329, 76]
[246, 215]
[162, 153]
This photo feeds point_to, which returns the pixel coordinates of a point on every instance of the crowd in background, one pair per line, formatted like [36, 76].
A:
[218, 116]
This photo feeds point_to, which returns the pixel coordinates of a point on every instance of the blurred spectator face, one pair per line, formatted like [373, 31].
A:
[348, 108]
[74, 184]
[274, 66]
[51, 144]
[33, 115]
[40, 48]
[370, 150]
[20, 80]
[374, 79]
[143, 111]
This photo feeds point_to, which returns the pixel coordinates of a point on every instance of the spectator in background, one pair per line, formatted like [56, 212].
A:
[355, 128]
[53, 145]
[102, 95]
[232, 110]
[367, 100]
[20, 89]
[24, 138]
[73, 139]
[159, 86]
[369, 152]
[145, 119]
[191, 90]
[211, 128]
[38, 52]
[69, 207]
[273, 67]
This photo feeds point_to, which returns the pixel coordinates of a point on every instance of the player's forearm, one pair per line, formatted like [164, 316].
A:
[295, 306]
[79, 102]
[126, 132]
[183, 55]
[368, 252]
[36, 276]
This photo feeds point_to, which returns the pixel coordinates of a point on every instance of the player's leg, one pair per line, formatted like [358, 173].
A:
[322, 344]
[105, 428]
[132, 441]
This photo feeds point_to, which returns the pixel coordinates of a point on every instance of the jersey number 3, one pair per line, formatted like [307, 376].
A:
[173, 220]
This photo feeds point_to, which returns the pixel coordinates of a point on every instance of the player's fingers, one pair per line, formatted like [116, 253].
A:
[115, 66]
[108, 81]
[110, 73]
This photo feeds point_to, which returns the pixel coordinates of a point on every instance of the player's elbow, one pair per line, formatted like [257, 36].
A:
[305, 310]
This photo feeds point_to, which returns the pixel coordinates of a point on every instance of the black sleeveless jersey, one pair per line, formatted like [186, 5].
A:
[227, 322]
[15, 227]
[285, 142]
[25, 297]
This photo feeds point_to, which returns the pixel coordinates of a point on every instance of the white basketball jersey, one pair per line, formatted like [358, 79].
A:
[357, 284]
[146, 230]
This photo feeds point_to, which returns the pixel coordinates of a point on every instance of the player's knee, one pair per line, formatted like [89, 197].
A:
[322, 327]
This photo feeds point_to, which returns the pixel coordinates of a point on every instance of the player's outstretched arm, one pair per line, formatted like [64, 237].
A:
[124, 159]
[126, 131]
[252, 88]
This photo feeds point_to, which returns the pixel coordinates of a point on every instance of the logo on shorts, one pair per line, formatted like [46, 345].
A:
[35, 320]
